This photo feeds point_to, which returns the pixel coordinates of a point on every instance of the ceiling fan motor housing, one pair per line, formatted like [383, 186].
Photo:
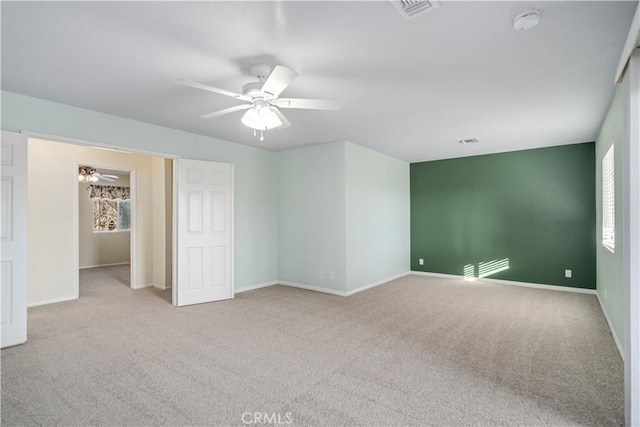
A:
[253, 89]
[261, 71]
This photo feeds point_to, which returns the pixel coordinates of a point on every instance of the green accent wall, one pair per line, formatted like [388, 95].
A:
[534, 207]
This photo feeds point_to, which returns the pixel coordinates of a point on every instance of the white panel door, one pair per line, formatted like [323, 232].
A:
[13, 220]
[204, 226]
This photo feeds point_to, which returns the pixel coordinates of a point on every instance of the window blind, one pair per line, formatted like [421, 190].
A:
[608, 200]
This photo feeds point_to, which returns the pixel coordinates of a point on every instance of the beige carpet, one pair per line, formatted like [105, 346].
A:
[415, 351]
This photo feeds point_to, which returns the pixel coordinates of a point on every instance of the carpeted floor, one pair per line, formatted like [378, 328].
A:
[415, 351]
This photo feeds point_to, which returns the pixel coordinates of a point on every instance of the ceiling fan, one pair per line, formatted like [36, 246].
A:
[89, 174]
[263, 98]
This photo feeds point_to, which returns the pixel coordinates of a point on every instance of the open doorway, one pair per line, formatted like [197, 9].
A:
[194, 196]
[104, 229]
[54, 242]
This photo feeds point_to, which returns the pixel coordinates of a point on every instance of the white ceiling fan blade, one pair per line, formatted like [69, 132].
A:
[107, 178]
[227, 111]
[213, 89]
[110, 176]
[285, 123]
[309, 104]
[278, 80]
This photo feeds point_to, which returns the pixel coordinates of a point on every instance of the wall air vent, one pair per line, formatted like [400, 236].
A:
[469, 141]
[409, 9]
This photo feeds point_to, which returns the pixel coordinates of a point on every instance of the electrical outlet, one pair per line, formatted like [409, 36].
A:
[331, 275]
[322, 274]
[421, 261]
[567, 273]
[605, 294]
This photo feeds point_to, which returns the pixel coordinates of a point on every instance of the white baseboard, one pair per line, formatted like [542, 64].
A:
[53, 301]
[254, 287]
[374, 284]
[511, 283]
[613, 331]
[342, 293]
[313, 288]
[161, 287]
[104, 265]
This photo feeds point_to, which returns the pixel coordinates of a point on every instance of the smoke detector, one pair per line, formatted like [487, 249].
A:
[409, 9]
[469, 141]
[526, 20]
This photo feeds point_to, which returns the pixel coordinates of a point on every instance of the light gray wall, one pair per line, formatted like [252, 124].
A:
[100, 248]
[256, 209]
[377, 216]
[311, 226]
[343, 209]
[609, 281]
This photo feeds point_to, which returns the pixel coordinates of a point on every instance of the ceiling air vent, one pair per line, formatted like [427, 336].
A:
[469, 141]
[411, 8]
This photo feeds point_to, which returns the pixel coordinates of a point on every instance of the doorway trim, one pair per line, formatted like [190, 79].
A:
[631, 242]
[86, 143]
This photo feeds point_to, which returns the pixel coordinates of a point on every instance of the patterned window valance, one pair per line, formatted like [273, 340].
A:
[109, 192]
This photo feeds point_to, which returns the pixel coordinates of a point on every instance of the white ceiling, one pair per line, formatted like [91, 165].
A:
[409, 89]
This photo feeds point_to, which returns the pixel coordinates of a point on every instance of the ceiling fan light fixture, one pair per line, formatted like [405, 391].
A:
[87, 178]
[250, 118]
[269, 119]
[261, 118]
[87, 174]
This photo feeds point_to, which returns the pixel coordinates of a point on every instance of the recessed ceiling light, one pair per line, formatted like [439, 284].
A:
[469, 141]
[526, 20]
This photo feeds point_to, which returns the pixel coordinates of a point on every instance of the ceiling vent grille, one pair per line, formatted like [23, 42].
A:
[409, 9]
[469, 141]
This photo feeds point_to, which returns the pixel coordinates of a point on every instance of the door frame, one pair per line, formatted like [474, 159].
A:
[133, 240]
[631, 242]
[134, 243]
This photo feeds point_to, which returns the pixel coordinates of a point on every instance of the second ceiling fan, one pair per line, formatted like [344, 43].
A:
[263, 98]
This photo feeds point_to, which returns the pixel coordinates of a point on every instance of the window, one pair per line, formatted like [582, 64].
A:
[111, 208]
[608, 201]
[111, 215]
